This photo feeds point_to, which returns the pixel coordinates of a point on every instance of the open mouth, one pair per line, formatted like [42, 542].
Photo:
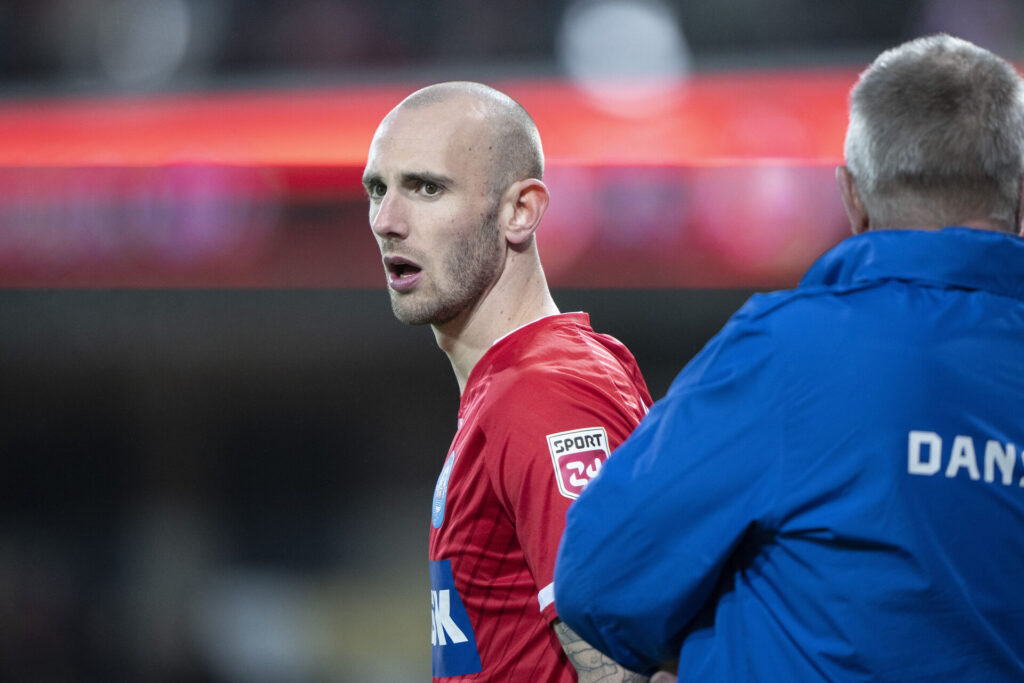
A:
[402, 273]
[400, 270]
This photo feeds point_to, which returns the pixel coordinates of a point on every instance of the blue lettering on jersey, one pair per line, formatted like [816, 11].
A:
[453, 646]
[441, 493]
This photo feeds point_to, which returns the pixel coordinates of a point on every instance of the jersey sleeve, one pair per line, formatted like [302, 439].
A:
[645, 544]
[547, 436]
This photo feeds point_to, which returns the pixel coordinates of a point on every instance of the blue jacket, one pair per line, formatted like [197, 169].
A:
[833, 489]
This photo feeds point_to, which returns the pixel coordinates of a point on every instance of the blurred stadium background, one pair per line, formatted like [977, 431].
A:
[218, 447]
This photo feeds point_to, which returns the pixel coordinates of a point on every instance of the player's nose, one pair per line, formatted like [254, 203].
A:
[389, 219]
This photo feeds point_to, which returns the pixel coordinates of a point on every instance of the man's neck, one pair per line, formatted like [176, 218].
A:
[929, 224]
[511, 303]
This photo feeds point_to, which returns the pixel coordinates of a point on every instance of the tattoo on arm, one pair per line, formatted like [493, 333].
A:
[591, 665]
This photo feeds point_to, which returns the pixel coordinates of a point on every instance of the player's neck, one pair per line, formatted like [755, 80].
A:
[520, 296]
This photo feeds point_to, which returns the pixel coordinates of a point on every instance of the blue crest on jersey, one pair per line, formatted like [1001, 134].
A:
[453, 645]
[441, 493]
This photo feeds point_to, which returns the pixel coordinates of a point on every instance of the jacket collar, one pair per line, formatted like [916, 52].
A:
[951, 257]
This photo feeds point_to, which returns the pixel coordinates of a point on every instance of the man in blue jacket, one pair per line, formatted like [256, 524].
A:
[833, 489]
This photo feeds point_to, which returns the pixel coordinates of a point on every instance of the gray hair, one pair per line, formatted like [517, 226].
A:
[936, 135]
[517, 149]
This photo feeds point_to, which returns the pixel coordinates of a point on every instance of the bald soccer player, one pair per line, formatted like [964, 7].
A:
[454, 183]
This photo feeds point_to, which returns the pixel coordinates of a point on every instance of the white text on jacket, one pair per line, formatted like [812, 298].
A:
[925, 456]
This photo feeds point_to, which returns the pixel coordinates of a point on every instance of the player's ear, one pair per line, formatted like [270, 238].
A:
[855, 211]
[523, 205]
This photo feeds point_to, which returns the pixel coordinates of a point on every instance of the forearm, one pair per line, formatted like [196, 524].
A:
[592, 665]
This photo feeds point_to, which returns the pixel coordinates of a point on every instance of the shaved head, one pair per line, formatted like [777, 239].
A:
[511, 145]
[453, 178]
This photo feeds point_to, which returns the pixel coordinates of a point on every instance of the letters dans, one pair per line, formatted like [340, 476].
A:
[925, 456]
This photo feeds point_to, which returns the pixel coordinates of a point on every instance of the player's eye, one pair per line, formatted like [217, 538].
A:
[376, 190]
[430, 189]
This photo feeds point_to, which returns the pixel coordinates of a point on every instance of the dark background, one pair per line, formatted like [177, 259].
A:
[177, 462]
[234, 484]
[85, 44]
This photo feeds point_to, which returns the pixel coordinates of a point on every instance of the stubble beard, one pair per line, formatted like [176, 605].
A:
[468, 273]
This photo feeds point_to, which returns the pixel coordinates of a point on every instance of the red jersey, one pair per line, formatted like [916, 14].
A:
[540, 413]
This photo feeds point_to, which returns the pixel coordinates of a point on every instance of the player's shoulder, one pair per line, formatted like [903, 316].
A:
[534, 389]
[534, 378]
[558, 368]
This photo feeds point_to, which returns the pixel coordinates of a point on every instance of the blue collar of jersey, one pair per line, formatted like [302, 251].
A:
[951, 257]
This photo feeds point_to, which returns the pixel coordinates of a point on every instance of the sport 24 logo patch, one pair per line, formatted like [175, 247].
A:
[578, 456]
